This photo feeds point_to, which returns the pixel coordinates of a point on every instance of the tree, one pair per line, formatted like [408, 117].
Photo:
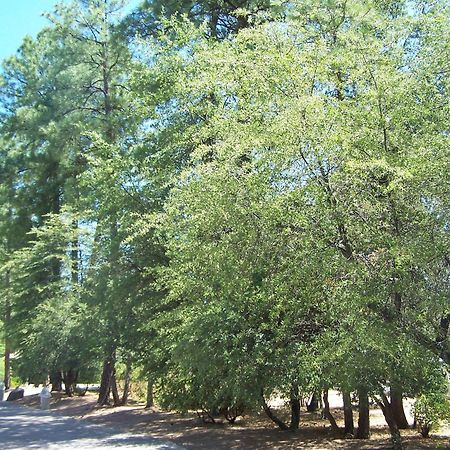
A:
[316, 143]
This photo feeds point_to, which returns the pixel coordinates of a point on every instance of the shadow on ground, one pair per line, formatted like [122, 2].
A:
[27, 428]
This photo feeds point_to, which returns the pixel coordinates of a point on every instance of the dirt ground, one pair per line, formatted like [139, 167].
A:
[253, 432]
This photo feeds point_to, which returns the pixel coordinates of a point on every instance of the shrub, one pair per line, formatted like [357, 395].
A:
[429, 411]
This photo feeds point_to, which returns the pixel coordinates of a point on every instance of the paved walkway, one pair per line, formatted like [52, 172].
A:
[26, 428]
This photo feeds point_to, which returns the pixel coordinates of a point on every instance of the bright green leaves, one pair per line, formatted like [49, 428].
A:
[268, 211]
[301, 196]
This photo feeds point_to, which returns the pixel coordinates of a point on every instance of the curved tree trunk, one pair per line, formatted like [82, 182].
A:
[327, 413]
[270, 413]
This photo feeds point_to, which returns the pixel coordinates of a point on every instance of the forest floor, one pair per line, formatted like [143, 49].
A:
[254, 432]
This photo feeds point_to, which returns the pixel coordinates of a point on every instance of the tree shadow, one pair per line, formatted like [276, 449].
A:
[26, 428]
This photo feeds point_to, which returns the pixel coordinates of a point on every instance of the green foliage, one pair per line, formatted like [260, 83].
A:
[430, 410]
[262, 213]
[222, 18]
[50, 332]
[294, 213]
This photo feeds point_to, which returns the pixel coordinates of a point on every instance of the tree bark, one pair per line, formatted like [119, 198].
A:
[313, 405]
[441, 338]
[349, 427]
[295, 408]
[7, 321]
[363, 417]
[105, 384]
[56, 380]
[70, 381]
[386, 408]
[7, 378]
[114, 390]
[397, 409]
[327, 413]
[126, 388]
[74, 253]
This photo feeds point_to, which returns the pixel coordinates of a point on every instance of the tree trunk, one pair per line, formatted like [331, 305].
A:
[56, 380]
[74, 253]
[327, 413]
[114, 390]
[7, 378]
[349, 427]
[105, 384]
[67, 384]
[55, 203]
[270, 413]
[295, 408]
[149, 403]
[386, 408]
[441, 338]
[397, 409]
[6, 324]
[313, 405]
[126, 388]
[70, 381]
[363, 417]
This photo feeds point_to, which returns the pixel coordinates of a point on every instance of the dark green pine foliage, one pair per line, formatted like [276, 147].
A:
[223, 17]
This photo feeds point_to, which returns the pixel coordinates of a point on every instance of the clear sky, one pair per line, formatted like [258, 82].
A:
[21, 17]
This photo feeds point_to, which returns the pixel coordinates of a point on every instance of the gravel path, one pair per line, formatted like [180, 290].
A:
[25, 428]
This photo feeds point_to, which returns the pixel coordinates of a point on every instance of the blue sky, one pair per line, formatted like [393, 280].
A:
[19, 18]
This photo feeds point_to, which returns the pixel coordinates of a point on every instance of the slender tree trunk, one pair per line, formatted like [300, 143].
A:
[126, 388]
[270, 413]
[213, 23]
[349, 427]
[295, 408]
[327, 413]
[55, 208]
[7, 378]
[67, 385]
[386, 408]
[397, 409]
[363, 417]
[149, 403]
[114, 390]
[75, 256]
[7, 321]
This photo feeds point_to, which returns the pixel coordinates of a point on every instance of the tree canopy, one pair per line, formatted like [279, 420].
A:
[242, 199]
